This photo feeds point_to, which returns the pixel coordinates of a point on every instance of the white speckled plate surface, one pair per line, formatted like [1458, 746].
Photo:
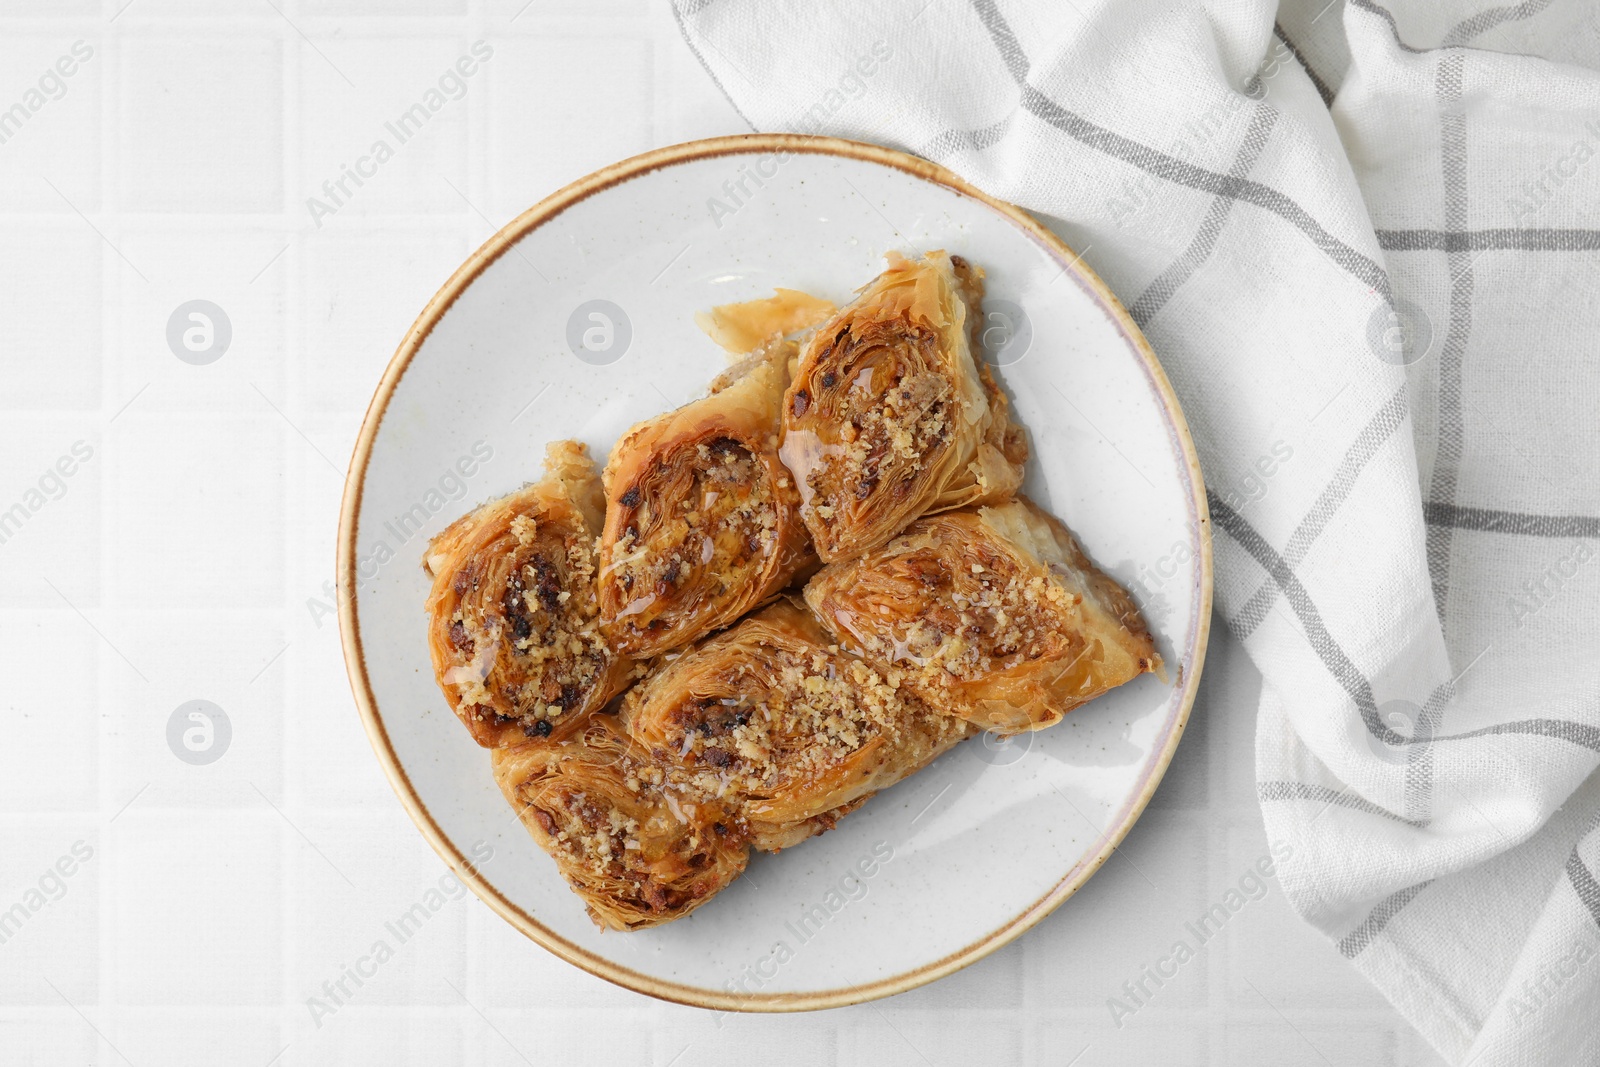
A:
[931, 874]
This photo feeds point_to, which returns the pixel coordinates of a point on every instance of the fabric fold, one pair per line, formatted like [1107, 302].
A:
[1363, 240]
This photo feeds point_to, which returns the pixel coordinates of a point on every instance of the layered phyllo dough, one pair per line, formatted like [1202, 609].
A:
[666, 677]
[890, 417]
[702, 518]
[994, 614]
[772, 716]
[514, 621]
[636, 853]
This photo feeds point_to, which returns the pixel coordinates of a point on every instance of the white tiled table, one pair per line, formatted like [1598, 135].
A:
[186, 557]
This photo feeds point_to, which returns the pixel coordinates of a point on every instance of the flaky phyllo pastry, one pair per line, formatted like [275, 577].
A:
[702, 519]
[744, 327]
[889, 415]
[635, 853]
[514, 627]
[772, 719]
[661, 694]
[994, 614]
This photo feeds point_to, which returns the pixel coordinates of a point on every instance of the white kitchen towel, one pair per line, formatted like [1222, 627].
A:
[1365, 242]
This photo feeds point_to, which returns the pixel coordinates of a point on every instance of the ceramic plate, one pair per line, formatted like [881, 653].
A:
[576, 320]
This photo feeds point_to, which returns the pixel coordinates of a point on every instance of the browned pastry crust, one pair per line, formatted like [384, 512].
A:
[892, 413]
[994, 614]
[757, 719]
[638, 855]
[1005, 435]
[772, 717]
[702, 519]
[514, 628]
[743, 327]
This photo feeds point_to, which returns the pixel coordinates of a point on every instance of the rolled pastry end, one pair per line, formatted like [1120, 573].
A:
[514, 626]
[892, 414]
[703, 520]
[636, 854]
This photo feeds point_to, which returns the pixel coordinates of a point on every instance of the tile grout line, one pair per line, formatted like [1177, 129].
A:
[292, 352]
[109, 42]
